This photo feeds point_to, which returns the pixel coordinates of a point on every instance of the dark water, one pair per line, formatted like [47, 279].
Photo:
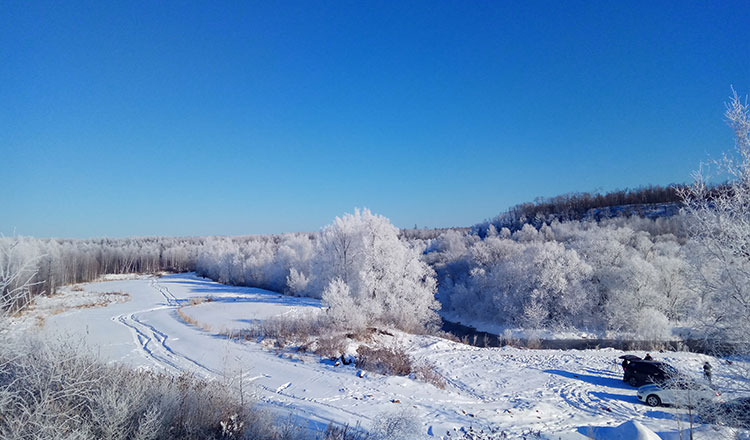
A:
[484, 339]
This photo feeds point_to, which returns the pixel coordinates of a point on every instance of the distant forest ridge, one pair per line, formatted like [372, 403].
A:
[652, 201]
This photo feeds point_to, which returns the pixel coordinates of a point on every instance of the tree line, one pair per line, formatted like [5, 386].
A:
[579, 206]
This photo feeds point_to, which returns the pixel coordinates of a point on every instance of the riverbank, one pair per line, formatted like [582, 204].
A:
[478, 338]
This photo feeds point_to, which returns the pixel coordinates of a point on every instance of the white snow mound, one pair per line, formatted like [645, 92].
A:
[630, 430]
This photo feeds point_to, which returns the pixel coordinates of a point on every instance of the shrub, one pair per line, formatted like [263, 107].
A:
[490, 434]
[192, 321]
[288, 329]
[346, 432]
[401, 425]
[58, 392]
[427, 373]
[331, 346]
[391, 361]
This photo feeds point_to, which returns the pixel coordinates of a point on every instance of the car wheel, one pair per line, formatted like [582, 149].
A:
[633, 381]
[653, 400]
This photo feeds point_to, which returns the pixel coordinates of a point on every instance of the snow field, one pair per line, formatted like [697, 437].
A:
[561, 394]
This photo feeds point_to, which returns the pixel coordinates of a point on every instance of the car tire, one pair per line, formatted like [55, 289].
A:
[653, 400]
[633, 381]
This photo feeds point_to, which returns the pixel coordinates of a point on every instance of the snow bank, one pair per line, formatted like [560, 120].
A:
[630, 430]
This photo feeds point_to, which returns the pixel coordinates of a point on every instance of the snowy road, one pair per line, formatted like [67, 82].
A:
[560, 393]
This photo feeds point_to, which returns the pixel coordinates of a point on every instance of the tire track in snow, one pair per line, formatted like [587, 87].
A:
[164, 291]
[597, 403]
[274, 393]
[153, 343]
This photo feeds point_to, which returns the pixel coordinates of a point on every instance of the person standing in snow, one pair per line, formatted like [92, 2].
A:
[707, 371]
[648, 357]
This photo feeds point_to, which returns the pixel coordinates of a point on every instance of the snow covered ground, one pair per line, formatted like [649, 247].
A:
[562, 394]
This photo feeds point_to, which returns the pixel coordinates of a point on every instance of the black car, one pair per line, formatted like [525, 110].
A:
[735, 413]
[637, 371]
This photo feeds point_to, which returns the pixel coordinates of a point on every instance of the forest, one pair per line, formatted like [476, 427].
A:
[685, 272]
[629, 275]
[651, 201]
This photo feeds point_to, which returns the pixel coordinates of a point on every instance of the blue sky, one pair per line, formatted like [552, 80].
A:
[179, 118]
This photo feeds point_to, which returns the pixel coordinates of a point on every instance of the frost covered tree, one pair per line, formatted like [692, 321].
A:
[628, 275]
[18, 268]
[341, 305]
[296, 282]
[385, 278]
[294, 256]
[720, 223]
[531, 283]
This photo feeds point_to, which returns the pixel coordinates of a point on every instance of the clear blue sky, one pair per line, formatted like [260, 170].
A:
[179, 118]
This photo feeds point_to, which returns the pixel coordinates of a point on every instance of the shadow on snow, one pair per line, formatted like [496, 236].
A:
[592, 379]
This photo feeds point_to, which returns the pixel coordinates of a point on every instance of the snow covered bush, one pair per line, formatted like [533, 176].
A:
[398, 425]
[346, 432]
[56, 392]
[289, 329]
